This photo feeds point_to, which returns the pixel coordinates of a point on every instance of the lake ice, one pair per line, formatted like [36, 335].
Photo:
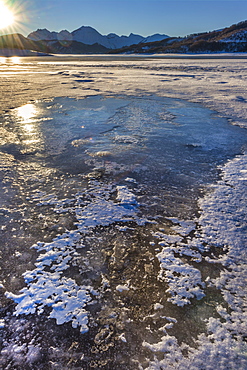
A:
[126, 218]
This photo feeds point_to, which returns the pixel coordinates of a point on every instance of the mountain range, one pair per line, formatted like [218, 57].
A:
[87, 40]
[89, 36]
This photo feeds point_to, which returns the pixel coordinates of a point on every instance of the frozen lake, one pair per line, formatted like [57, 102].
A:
[123, 220]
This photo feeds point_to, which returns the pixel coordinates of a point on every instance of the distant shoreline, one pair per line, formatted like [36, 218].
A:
[29, 53]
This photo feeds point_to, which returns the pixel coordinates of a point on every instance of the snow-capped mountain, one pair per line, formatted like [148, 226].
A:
[89, 36]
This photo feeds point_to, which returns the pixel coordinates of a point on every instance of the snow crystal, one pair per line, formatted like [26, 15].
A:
[184, 280]
[130, 179]
[125, 139]
[158, 306]
[125, 196]
[122, 338]
[121, 288]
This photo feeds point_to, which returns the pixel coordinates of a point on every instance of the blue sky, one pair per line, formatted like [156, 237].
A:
[145, 17]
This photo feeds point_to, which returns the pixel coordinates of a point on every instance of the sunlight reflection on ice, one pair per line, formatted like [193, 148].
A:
[28, 117]
[29, 128]
[26, 113]
[15, 60]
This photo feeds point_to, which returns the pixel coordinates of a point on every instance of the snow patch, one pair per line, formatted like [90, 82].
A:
[50, 288]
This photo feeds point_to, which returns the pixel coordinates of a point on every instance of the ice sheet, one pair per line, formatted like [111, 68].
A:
[138, 203]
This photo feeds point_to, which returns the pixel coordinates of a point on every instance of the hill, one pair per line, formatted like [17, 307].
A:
[230, 40]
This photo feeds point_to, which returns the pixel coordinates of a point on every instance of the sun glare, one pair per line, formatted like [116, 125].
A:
[6, 16]
[26, 113]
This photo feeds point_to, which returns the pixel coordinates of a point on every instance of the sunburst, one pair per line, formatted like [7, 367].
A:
[7, 17]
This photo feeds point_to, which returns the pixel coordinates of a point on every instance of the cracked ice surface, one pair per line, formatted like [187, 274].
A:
[139, 205]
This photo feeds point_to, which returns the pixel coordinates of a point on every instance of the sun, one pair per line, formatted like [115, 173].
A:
[6, 16]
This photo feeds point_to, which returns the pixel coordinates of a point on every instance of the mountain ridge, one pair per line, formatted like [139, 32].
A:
[89, 36]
